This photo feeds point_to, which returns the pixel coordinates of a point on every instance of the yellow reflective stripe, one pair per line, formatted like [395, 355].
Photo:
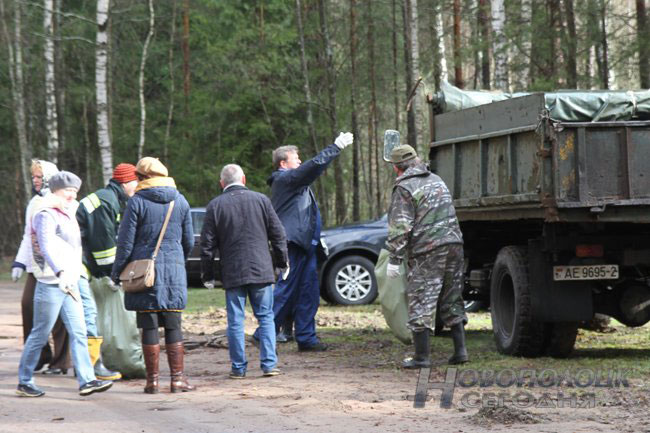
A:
[106, 261]
[119, 217]
[91, 202]
[104, 254]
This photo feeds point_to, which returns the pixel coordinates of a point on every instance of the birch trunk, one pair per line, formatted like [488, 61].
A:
[415, 58]
[101, 94]
[499, 50]
[17, 92]
[409, 76]
[438, 43]
[51, 122]
[143, 62]
[395, 75]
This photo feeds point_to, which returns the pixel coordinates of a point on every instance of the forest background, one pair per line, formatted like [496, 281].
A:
[202, 83]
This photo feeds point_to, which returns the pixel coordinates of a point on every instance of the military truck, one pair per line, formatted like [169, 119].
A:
[555, 216]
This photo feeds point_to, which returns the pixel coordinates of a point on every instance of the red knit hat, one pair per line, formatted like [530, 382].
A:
[124, 173]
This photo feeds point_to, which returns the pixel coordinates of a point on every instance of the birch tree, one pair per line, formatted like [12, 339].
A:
[15, 67]
[440, 71]
[499, 51]
[101, 94]
[51, 122]
[143, 62]
[525, 26]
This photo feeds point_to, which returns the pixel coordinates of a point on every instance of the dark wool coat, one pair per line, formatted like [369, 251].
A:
[240, 225]
[139, 230]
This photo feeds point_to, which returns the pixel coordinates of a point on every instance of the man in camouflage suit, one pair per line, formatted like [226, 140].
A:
[423, 231]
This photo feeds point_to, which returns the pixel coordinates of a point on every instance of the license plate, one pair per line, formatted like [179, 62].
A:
[589, 272]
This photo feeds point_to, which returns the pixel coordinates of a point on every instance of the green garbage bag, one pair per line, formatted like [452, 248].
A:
[392, 296]
[122, 349]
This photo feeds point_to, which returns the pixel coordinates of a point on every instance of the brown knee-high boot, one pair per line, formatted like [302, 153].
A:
[151, 357]
[175, 356]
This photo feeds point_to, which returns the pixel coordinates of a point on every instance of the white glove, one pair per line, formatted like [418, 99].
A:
[208, 284]
[285, 272]
[344, 139]
[112, 285]
[16, 273]
[393, 271]
[69, 284]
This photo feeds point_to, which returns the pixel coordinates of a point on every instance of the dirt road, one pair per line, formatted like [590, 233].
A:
[317, 393]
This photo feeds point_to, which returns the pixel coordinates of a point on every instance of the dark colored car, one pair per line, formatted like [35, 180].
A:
[347, 267]
[193, 264]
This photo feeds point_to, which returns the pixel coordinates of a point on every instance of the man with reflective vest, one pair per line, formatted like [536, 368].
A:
[98, 216]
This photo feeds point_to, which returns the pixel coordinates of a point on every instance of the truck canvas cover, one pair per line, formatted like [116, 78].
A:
[563, 105]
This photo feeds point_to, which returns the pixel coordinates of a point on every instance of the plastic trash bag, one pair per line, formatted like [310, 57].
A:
[122, 348]
[392, 296]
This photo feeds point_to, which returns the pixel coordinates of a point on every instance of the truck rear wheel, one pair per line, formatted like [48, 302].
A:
[514, 330]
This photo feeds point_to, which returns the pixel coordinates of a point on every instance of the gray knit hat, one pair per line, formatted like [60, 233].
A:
[64, 179]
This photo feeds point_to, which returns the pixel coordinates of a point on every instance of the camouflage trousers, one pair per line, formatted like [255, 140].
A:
[436, 278]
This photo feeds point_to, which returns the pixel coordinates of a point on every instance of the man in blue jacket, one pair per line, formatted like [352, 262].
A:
[295, 204]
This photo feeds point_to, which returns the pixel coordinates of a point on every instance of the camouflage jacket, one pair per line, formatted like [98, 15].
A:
[421, 215]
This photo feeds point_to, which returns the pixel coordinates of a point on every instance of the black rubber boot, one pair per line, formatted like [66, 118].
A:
[460, 351]
[422, 358]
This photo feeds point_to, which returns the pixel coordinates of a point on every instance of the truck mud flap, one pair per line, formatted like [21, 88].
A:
[555, 301]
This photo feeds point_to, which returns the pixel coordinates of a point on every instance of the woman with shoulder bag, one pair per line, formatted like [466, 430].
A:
[160, 305]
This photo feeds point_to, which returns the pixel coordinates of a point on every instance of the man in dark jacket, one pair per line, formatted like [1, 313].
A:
[296, 206]
[99, 216]
[240, 224]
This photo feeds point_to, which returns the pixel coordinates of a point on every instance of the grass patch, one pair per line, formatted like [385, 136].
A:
[200, 300]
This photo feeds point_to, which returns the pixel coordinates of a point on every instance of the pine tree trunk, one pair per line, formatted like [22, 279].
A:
[408, 63]
[394, 52]
[172, 87]
[499, 45]
[372, 116]
[17, 92]
[186, 54]
[51, 122]
[644, 43]
[484, 32]
[571, 45]
[101, 69]
[330, 75]
[458, 61]
[526, 44]
[143, 62]
[604, 73]
[356, 145]
[308, 103]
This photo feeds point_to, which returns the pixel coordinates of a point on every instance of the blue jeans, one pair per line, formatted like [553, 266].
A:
[49, 301]
[261, 298]
[90, 307]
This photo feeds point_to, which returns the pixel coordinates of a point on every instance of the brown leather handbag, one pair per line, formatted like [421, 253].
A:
[140, 275]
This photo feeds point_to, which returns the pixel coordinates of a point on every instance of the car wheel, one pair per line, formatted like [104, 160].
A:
[351, 281]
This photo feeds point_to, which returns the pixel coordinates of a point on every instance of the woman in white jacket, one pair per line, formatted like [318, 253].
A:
[56, 251]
